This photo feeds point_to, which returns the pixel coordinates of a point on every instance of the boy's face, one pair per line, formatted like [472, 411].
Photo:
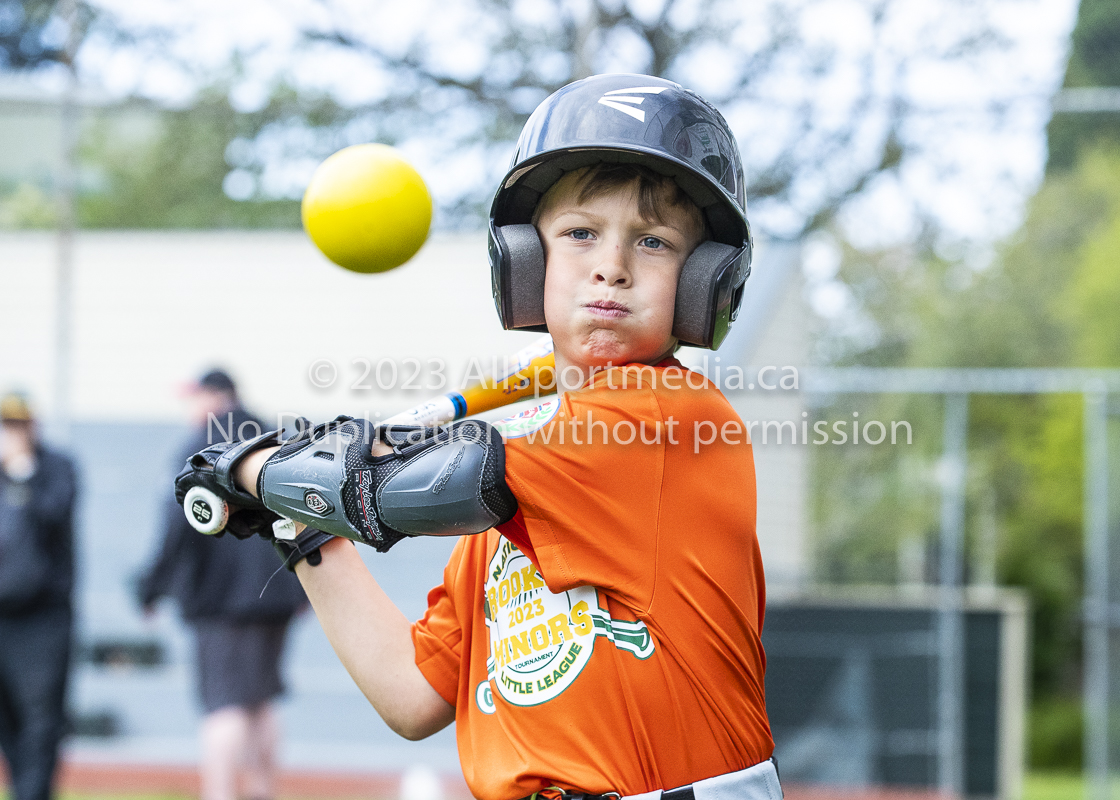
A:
[611, 276]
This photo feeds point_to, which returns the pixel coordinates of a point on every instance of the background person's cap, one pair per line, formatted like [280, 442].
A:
[217, 380]
[15, 408]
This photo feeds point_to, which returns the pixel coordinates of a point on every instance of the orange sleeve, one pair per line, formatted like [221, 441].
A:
[590, 508]
[438, 636]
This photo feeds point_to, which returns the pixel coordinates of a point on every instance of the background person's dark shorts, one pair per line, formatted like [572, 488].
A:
[238, 663]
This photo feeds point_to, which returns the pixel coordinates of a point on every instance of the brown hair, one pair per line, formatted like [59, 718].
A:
[656, 192]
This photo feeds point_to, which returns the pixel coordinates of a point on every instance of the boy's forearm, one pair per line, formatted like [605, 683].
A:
[370, 635]
[248, 470]
[373, 640]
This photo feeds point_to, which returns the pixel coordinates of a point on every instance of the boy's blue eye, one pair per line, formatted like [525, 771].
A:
[581, 234]
[652, 242]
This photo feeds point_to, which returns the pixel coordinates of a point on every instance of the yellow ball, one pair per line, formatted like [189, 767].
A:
[367, 208]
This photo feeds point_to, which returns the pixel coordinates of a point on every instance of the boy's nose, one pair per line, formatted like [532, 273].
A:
[613, 268]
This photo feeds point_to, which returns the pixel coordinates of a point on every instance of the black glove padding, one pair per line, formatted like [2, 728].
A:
[212, 469]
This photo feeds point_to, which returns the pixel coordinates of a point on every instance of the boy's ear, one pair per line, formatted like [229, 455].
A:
[517, 276]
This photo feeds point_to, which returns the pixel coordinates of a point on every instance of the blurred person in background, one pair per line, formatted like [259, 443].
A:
[239, 632]
[37, 491]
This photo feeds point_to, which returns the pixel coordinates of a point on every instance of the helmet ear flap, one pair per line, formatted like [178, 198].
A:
[709, 289]
[517, 276]
[708, 293]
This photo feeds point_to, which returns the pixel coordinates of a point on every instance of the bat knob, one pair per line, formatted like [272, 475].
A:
[206, 512]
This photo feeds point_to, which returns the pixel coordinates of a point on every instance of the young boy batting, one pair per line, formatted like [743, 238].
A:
[599, 634]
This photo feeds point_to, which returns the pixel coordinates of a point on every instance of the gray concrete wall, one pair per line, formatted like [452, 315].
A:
[152, 309]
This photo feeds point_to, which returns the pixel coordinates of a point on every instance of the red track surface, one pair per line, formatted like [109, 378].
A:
[125, 779]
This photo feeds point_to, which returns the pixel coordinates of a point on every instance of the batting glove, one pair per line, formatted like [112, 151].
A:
[213, 468]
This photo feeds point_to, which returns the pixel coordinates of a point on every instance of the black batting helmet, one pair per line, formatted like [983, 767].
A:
[627, 119]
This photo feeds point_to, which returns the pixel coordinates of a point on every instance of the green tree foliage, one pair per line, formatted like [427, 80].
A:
[24, 206]
[1055, 735]
[822, 114]
[28, 39]
[1089, 303]
[478, 103]
[1049, 299]
[1094, 61]
[773, 68]
[177, 174]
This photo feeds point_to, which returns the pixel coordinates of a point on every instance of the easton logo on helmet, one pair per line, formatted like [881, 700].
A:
[615, 99]
[317, 503]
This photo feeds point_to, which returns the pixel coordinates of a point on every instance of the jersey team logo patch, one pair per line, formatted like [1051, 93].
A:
[485, 698]
[540, 641]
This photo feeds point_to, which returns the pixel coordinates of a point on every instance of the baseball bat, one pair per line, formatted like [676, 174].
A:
[524, 376]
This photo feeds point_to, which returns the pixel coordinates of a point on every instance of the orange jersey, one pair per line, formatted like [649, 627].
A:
[607, 638]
